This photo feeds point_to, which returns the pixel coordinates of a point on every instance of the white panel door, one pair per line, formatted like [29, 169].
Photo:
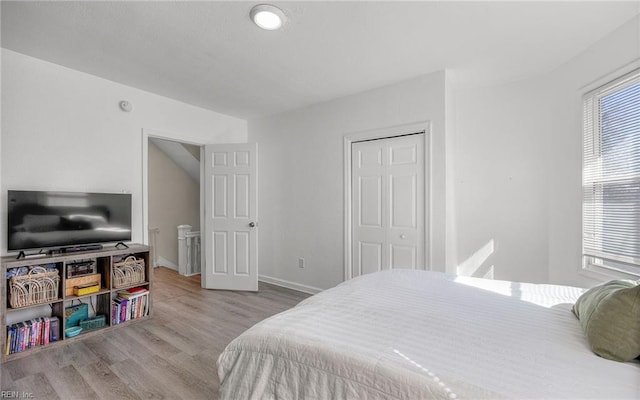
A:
[388, 204]
[230, 236]
[369, 213]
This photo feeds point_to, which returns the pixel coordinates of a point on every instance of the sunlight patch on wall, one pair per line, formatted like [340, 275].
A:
[473, 266]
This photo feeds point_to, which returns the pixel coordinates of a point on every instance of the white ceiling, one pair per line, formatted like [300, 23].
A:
[211, 55]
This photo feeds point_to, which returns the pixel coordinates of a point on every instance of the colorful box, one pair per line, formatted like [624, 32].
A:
[86, 289]
[83, 280]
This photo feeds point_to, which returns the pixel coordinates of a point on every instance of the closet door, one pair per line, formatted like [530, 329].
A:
[388, 200]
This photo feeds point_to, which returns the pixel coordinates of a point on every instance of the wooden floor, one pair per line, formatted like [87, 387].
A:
[171, 355]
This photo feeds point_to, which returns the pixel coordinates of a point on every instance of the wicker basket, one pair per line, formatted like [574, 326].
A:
[38, 286]
[93, 323]
[127, 272]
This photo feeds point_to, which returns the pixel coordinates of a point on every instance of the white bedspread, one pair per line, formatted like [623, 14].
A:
[424, 335]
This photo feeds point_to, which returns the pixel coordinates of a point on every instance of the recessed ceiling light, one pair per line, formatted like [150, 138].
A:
[267, 16]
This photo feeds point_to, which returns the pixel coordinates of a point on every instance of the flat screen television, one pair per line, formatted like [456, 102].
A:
[47, 219]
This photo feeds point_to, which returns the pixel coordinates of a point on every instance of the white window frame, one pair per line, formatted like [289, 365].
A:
[601, 266]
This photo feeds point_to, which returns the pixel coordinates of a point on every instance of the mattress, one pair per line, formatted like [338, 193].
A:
[405, 334]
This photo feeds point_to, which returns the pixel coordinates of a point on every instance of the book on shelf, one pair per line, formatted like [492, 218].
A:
[115, 313]
[122, 306]
[143, 305]
[132, 308]
[47, 326]
[25, 335]
[35, 328]
[9, 340]
[133, 292]
[28, 337]
[34, 332]
[21, 333]
[36, 337]
[123, 309]
[54, 325]
[138, 306]
[14, 338]
[130, 305]
[33, 337]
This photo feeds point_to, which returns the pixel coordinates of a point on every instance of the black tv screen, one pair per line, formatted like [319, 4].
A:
[39, 219]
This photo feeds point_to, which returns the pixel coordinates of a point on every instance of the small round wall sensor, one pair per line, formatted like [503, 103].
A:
[126, 106]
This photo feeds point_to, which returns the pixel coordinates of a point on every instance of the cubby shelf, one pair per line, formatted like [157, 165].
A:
[101, 291]
[10, 310]
[100, 302]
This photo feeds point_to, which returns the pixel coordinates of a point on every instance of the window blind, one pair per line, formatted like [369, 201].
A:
[611, 175]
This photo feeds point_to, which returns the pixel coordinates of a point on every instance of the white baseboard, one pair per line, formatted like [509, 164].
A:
[289, 285]
[166, 263]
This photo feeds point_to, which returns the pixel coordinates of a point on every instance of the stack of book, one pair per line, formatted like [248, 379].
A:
[130, 304]
[25, 335]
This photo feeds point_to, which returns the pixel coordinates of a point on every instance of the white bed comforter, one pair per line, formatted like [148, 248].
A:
[424, 335]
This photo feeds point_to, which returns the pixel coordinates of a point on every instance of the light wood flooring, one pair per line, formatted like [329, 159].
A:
[171, 355]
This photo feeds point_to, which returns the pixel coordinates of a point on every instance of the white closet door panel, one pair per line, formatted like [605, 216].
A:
[371, 257]
[370, 196]
[369, 156]
[369, 212]
[403, 256]
[403, 196]
[402, 154]
[388, 200]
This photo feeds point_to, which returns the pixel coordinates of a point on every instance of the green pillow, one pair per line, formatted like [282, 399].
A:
[610, 317]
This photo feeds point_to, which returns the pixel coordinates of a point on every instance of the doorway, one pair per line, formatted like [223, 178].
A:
[227, 188]
[174, 204]
[387, 207]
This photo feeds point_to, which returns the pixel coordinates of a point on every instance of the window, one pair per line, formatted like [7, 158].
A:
[611, 176]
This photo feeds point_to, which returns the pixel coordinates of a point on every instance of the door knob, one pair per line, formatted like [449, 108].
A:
[252, 224]
[403, 236]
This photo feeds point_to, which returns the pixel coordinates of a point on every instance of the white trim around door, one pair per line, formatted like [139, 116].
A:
[390, 132]
[146, 134]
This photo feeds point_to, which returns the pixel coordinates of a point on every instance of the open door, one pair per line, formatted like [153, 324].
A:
[230, 236]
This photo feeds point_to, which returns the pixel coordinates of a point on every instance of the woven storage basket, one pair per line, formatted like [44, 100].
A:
[38, 286]
[93, 323]
[128, 272]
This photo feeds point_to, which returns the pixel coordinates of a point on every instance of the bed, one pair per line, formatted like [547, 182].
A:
[405, 334]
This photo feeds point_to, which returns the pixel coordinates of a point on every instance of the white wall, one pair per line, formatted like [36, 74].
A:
[518, 168]
[496, 148]
[301, 181]
[501, 164]
[63, 130]
[567, 85]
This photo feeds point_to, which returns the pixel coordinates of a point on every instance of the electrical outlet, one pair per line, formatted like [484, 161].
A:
[300, 262]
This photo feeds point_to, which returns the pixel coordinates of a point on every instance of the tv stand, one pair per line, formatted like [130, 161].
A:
[107, 275]
[124, 246]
